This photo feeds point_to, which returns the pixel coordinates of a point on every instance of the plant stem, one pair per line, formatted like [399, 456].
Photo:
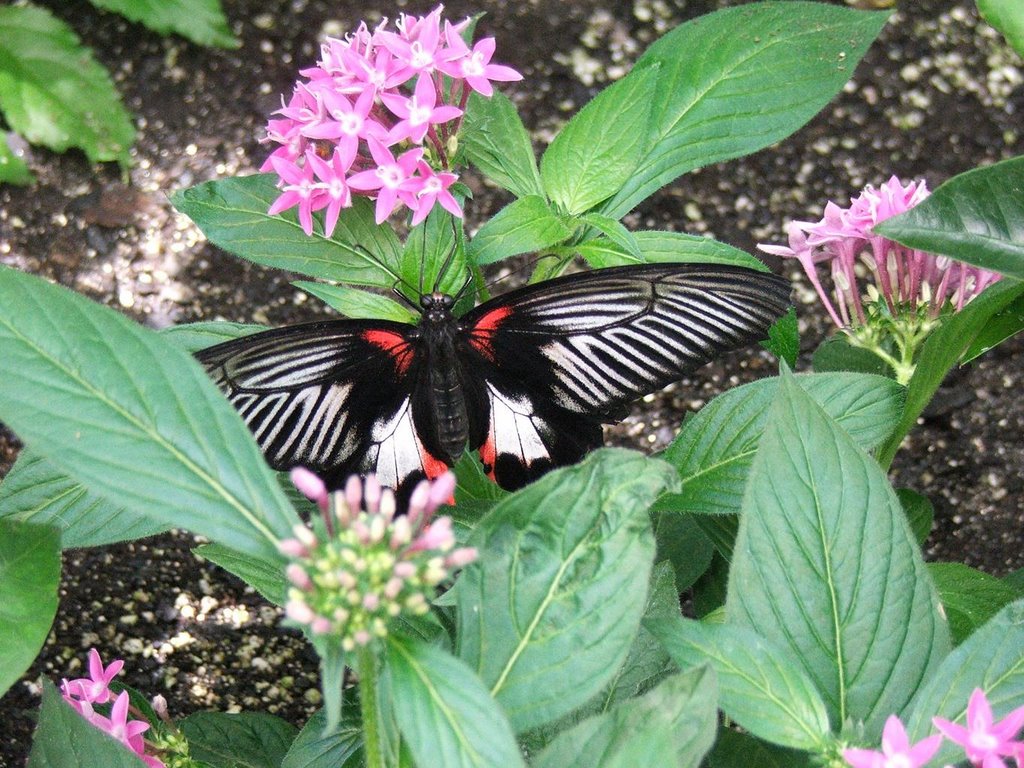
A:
[369, 707]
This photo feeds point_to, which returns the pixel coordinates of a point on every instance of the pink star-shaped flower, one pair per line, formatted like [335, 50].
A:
[473, 65]
[388, 178]
[416, 44]
[418, 112]
[346, 123]
[94, 689]
[430, 188]
[985, 742]
[332, 183]
[298, 189]
[897, 751]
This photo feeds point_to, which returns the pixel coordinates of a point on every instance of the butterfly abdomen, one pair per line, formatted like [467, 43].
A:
[446, 398]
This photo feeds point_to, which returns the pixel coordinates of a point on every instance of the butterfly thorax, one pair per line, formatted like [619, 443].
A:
[437, 332]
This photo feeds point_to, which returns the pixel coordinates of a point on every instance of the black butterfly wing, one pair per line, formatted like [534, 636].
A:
[559, 358]
[333, 396]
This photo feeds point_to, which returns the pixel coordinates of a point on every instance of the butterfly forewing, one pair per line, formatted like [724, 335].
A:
[594, 342]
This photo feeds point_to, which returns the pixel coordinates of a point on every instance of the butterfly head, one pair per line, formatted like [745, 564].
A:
[437, 306]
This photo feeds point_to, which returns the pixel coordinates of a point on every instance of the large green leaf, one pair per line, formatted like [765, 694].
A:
[682, 542]
[13, 169]
[943, 348]
[671, 725]
[1000, 327]
[976, 217]
[29, 577]
[990, 659]
[599, 149]
[495, 141]
[969, 596]
[232, 213]
[524, 225]
[65, 739]
[37, 491]
[545, 599]
[237, 740]
[54, 93]
[657, 246]
[133, 418]
[443, 710]
[339, 748]
[358, 303]
[201, 21]
[714, 449]
[264, 576]
[825, 566]
[740, 79]
[1008, 17]
[761, 687]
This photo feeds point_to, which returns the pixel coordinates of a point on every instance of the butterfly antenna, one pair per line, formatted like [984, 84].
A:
[447, 259]
[398, 278]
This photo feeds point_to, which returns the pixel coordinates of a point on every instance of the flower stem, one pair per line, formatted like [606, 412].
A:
[369, 707]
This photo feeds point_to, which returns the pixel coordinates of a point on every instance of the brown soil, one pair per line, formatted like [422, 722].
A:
[935, 96]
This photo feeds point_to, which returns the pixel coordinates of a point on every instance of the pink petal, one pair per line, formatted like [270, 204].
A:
[863, 758]
[953, 732]
[894, 736]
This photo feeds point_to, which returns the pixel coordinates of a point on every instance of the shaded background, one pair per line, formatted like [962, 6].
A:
[938, 94]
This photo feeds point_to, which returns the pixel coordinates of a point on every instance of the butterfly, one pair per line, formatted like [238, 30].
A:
[525, 379]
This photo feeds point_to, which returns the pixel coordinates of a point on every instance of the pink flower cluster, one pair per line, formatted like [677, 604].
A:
[903, 277]
[84, 692]
[985, 742]
[368, 564]
[378, 116]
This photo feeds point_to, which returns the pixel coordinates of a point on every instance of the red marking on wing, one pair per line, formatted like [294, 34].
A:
[489, 456]
[434, 467]
[392, 343]
[480, 336]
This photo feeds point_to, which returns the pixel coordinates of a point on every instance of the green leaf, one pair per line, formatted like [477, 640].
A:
[784, 338]
[237, 740]
[684, 545]
[738, 80]
[65, 739]
[133, 418]
[496, 141]
[919, 511]
[836, 353]
[969, 596]
[434, 245]
[761, 686]
[357, 303]
[989, 659]
[616, 232]
[232, 213]
[600, 147]
[444, 712]
[12, 168]
[36, 491]
[1008, 17]
[54, 93]
[825, 566]
[976, 217]
[544, 599]
[201, 21]
[665, 247]
[338, 748]
[524, 225]
[1000, 327]
[672, 724]
[740, 750]
[193, 337]
[941, 351]
[265, 577]
[647, 662]
[714, 449]
[29, 577]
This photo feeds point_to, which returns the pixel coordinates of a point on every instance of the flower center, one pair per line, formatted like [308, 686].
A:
[421, 58]
[390, 175]
[473, 66]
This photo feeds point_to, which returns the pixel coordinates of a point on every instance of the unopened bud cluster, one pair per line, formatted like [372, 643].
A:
[361, 564]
